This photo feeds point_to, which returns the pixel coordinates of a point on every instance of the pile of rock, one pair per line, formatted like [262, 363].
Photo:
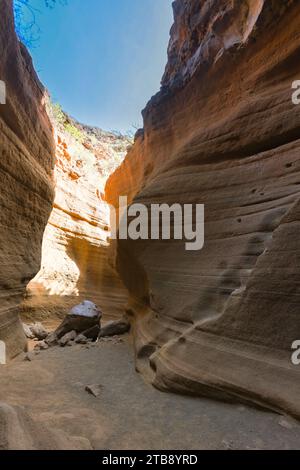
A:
[35, 331]
[82, 325]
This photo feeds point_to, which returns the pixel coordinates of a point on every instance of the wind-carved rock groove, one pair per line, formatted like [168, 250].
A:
[223, 132]
[26, 188]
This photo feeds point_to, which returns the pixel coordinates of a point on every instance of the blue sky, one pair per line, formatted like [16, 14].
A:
[102, 60]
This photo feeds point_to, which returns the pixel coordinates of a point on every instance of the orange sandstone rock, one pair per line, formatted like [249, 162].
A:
[26, 190]
[75, 251]
[223, 132]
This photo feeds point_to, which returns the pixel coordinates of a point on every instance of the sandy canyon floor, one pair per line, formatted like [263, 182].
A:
[128, 413]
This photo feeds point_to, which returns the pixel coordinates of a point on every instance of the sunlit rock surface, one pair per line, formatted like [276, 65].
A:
[26, 193]
[75, 261]
[223, 131]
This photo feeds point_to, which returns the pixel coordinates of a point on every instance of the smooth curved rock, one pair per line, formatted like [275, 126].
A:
[223, 132]
[76, 261]
[18, 431]
[26, 191]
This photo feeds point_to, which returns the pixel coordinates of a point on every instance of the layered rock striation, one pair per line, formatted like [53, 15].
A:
[223, 132]
[26, 191]
[75, 250]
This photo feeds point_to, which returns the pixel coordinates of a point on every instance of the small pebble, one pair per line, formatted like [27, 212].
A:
[94, 390]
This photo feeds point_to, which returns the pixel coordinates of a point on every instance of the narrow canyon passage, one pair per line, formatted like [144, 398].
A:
[138, 342]
[77, 261]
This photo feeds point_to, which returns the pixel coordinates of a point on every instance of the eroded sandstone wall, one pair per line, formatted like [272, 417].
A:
[222, 131]
[76, 264]
[26, 192]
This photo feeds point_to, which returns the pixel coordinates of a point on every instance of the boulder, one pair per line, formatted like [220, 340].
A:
[81, 339]
[113, 328]
[51, 339]
[92, 333]
[39, 331]
[86, 309]
[67, 338]
[27, 331]
[81, 318]
[41, 345]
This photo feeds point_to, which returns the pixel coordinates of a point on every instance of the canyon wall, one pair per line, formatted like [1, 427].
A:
[223, 132]
[76, 264]
[27, 148]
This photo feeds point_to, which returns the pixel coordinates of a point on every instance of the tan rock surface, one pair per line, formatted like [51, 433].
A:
[75, 260]
[54, 393]
[18, 431]
[223, 131]
[26, 193]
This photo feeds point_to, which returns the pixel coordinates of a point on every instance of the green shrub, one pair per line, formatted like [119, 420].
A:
[58, 113]
[75, 132]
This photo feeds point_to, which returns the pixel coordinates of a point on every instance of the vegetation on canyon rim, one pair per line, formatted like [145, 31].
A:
[88, 139]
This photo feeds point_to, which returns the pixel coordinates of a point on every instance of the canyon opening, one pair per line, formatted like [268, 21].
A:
[150, 246]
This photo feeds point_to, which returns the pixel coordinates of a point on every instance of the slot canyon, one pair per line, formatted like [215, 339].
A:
[212, 328]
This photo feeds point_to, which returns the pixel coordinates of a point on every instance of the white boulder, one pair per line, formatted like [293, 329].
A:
[86, 309]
